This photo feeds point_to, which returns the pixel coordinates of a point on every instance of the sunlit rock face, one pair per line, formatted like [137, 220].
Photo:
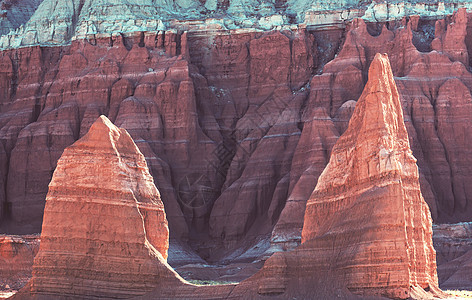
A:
[104, 229]
[367, 229]
[367, 210]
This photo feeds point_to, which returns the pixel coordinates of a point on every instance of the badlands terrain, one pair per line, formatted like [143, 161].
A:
[273, 148]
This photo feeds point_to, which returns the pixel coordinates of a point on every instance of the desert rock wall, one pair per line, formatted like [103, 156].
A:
[236, 125]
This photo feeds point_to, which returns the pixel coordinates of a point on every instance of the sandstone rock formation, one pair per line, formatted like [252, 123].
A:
[57, 22]
[367, 229]
[209, 107]
[104, 229]
[430, 94]
[367, 212]
[450, 38]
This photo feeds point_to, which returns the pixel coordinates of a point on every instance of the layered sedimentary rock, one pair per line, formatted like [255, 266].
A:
[374, 219]
[141, 97]
[57, 22]
[434, 98]
[214, 116]
[104, 230]
[367, 229]
[367, 212]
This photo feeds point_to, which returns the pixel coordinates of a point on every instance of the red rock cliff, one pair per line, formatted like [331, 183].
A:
[218, 120]
[367, 228]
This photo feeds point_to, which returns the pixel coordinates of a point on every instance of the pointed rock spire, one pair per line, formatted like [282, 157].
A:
[367, 212]
[367, 229]
[104, 230]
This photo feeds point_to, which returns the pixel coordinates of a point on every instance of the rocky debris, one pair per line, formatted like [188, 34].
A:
[453, 244]
[16, 260]
[202, 273]
[455, 274]
[451, 241]
[104, 229]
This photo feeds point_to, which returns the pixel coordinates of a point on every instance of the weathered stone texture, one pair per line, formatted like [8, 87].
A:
[212, 106]
[104, 230]
[367, 212]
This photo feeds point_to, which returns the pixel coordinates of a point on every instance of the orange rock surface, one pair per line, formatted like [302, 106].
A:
[367, 213]
[104, 231]
[213, 105]
[367, 228]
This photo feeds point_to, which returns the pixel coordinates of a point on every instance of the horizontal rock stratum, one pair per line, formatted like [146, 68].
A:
[367, 229]
[57, 22]
[16, 260]
[367, 213]
[104, 229]
[219, 123]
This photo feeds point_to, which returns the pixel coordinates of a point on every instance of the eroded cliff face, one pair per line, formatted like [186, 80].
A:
[367, 229]
[367, 209]
[197, 134]
[105, 231]
[430, 103]
[236, 125]
[55, 22]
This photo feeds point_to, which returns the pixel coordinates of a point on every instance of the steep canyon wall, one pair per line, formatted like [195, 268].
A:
[236, 125]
